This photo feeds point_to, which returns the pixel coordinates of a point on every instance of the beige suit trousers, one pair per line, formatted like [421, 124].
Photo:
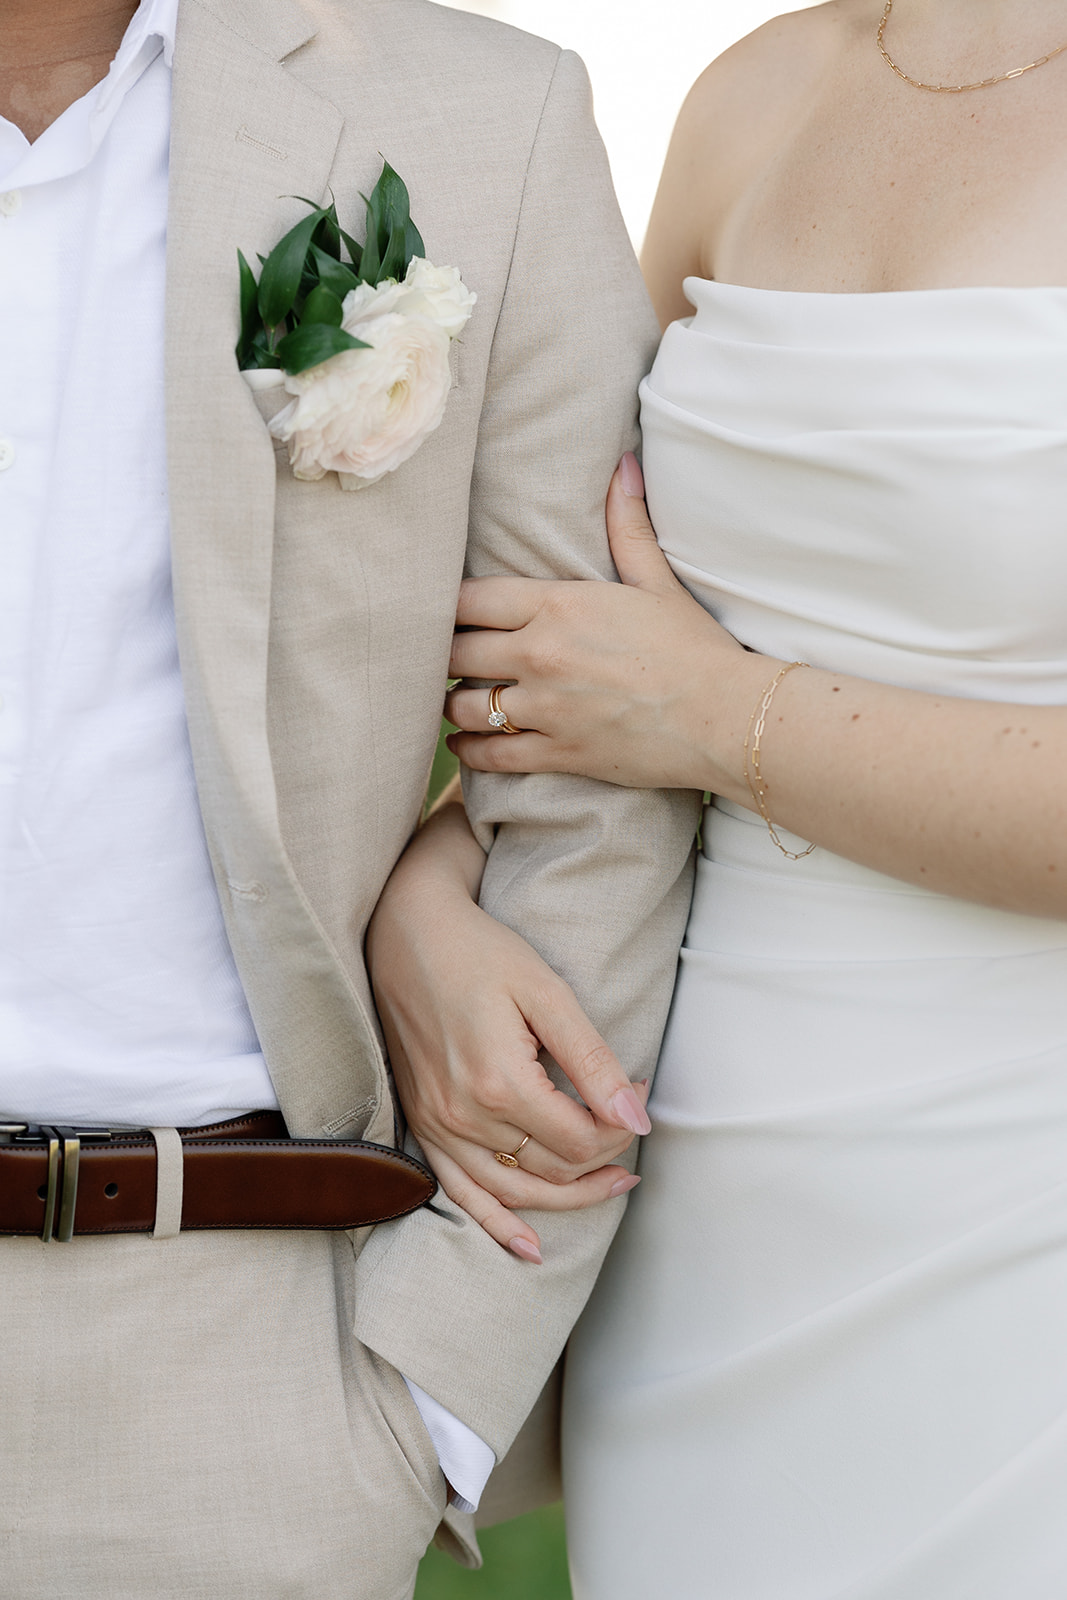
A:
[193, 1418]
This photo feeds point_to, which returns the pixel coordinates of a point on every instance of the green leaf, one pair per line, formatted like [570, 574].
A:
[396, 206]
[413, 245]
[371, 261]
[322, 306]
[327, 235]
[249, 311]
[262, 353]
[355, 250]
[312, 343]
[334, 275]
[282, 271]
[377, 226]
[393, 263]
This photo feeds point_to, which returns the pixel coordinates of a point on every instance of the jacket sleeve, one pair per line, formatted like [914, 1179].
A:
[596, 877]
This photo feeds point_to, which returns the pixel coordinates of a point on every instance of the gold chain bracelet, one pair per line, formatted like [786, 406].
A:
[757, 722]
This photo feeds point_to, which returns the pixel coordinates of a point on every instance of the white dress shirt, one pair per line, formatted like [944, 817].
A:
[119, 998]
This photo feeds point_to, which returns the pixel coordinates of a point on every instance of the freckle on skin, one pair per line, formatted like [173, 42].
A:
[1052, 868]
[1035, 744]
[855, 716]
[837, 688]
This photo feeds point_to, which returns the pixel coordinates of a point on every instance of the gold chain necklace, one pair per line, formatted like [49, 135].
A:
[954, 88]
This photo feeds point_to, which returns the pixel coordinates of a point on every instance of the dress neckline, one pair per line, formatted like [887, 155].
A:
[961, 289]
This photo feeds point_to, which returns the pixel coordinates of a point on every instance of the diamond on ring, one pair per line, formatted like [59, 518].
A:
[498, 717]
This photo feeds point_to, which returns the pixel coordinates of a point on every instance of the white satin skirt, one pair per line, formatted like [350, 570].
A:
[827, 1358]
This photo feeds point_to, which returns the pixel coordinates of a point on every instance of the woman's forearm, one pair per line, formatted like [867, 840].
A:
[966, 797]
[637, 684]
[444, 850]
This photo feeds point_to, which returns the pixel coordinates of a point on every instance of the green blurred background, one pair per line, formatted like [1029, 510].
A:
[525, 1559]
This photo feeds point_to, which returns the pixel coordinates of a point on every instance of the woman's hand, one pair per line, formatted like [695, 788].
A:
[466, 1005]
[615, 681]
[636, 684]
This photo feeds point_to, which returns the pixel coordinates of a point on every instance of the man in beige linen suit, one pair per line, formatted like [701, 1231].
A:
[222, 1414]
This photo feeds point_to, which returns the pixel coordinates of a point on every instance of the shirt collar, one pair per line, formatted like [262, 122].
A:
[151, 28]
[70, 143]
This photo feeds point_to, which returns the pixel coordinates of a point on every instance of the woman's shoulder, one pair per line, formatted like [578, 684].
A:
[763, 77]
[740, 113]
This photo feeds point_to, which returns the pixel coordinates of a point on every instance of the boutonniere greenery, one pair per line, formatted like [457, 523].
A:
[357, 334]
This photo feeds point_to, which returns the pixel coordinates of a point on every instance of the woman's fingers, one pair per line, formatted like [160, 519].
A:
[554, 1016]
[507, 752]
[514, 1189]
[499, 602]
[488, 653]
[468, 709]
[499, 1223]
[637, 556]
[518, 1098]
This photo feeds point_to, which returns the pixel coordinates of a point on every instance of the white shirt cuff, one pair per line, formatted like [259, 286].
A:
[466, 1460]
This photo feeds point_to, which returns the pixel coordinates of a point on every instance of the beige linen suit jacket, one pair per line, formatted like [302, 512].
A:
[314, 624]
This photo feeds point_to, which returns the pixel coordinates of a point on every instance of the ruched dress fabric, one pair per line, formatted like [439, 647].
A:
[827, 1358]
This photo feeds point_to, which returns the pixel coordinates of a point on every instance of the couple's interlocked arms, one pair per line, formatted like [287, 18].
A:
[222, 1410]
[322, 346]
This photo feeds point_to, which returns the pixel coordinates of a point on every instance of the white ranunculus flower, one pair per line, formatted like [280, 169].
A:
[364, 412]
[364, 302]
[437, 293]
[442, 292]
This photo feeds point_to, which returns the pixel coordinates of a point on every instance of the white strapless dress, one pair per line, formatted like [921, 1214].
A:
[827, 1358]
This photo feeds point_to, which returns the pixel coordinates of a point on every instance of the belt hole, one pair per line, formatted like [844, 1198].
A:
[111, 1190]
[42, 1193]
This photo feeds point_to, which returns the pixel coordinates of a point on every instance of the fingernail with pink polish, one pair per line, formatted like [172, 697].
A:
[526, 1251]
[630, 477]
[630, 1112]
[624, 1185]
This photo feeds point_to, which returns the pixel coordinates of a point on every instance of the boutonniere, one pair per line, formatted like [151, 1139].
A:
[361, 344]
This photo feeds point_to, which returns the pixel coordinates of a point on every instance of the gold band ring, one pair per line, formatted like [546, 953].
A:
[498, 718]
[511, 1160]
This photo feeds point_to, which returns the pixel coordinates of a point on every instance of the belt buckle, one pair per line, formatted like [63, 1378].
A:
[64, 1156]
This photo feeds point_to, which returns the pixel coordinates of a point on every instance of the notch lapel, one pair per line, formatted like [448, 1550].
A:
[245, 135]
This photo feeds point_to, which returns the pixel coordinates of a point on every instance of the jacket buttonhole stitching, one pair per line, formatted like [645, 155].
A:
[244, 137]
[330, 1128]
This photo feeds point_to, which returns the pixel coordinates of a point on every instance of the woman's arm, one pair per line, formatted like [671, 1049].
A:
[466, 1006]
[639, 685]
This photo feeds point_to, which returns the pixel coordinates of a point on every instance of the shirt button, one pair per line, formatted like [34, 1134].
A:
[10, 203]
[7, 454]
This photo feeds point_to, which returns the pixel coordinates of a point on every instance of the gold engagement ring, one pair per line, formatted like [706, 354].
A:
[498, 718]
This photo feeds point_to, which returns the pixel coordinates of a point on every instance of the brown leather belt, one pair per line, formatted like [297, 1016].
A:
[58, 1182]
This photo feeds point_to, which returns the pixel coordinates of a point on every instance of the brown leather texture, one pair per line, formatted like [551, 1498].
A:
[241, 1174]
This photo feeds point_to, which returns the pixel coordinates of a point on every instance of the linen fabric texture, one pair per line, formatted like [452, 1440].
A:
[119, 999]
[187, 1419]
[314, 625]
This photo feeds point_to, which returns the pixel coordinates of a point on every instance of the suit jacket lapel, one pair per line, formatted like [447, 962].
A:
[246, 138]
[244, 133]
